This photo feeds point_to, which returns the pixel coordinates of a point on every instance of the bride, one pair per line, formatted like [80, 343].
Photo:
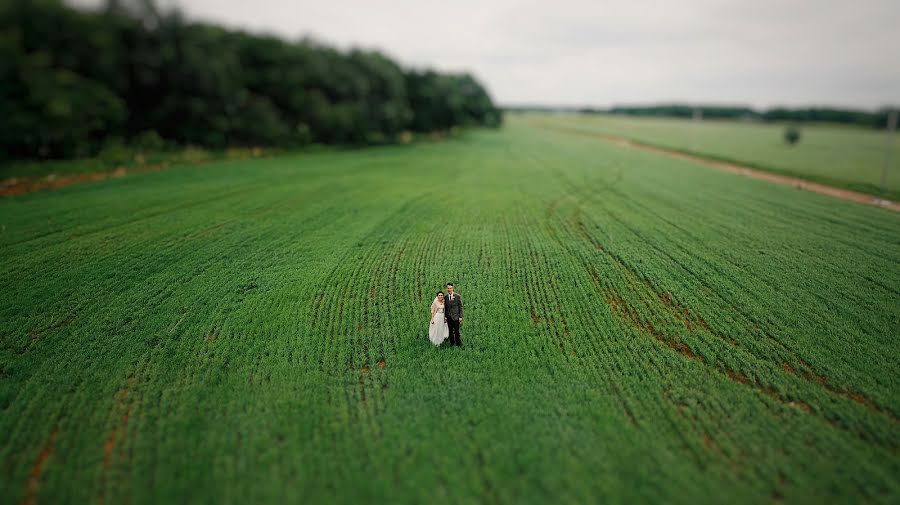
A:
[438, 330]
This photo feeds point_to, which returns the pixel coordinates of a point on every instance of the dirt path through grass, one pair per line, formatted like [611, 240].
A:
[796, 182]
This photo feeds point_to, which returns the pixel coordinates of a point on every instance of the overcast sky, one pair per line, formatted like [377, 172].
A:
[567, 52]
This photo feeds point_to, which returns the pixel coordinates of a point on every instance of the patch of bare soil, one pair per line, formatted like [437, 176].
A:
[846, 393]
[34, 478]
[784, 180]
[110, 444]
[740, 377]
[116, 436]
[21, 185]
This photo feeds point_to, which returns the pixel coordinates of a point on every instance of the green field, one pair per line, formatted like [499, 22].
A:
[847, 157]
[638, 330]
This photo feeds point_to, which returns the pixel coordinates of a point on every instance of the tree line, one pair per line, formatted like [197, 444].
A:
[73, 80]
[871, 119]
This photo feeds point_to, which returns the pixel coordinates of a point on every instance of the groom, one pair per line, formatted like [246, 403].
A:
[453, 311]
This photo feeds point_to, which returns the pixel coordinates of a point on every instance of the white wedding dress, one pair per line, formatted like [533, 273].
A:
[438, 330]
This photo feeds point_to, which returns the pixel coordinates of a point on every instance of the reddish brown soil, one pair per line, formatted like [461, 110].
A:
[858, 398]
[115, 437]
[851, 395]
[110, 444]
[629, 315]
[34, 478]
[740, 377]
[21, 185]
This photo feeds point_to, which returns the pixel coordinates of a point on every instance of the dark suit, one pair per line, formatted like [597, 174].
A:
[453, 309]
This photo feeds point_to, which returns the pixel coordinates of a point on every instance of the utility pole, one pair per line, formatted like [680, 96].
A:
[888, 144]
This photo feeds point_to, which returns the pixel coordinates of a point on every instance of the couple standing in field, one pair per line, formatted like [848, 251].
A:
[446, 316]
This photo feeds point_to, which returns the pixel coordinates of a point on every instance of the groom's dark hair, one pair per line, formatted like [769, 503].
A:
[449, 283]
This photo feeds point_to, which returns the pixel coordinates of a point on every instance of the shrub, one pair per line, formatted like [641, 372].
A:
[149, 141]
[791, 135]
[115, 153]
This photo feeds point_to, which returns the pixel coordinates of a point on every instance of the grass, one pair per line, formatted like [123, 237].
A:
[840, 156]
[638, 330]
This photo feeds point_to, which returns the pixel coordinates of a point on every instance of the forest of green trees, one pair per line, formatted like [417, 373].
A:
[876, 119]
[72, 81]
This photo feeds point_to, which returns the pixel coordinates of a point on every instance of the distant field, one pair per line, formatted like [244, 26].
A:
[848, 157]
[638, 330]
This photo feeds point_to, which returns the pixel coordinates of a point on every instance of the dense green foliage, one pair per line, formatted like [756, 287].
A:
[877, 119]
[845, 157]
[72, 80]
[791, 135]
[676, 110]
[828, 115]
[638, 330]
[130, 159]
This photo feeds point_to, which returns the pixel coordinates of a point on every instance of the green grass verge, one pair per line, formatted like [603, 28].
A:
[840, 156]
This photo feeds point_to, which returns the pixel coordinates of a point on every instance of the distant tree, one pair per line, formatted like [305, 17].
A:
[440, 101]
[791, 135]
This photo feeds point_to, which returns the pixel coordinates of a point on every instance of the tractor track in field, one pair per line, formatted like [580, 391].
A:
[735, 168]
[34, 477]
[630, 314]
[694, 322]
[116, 437]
